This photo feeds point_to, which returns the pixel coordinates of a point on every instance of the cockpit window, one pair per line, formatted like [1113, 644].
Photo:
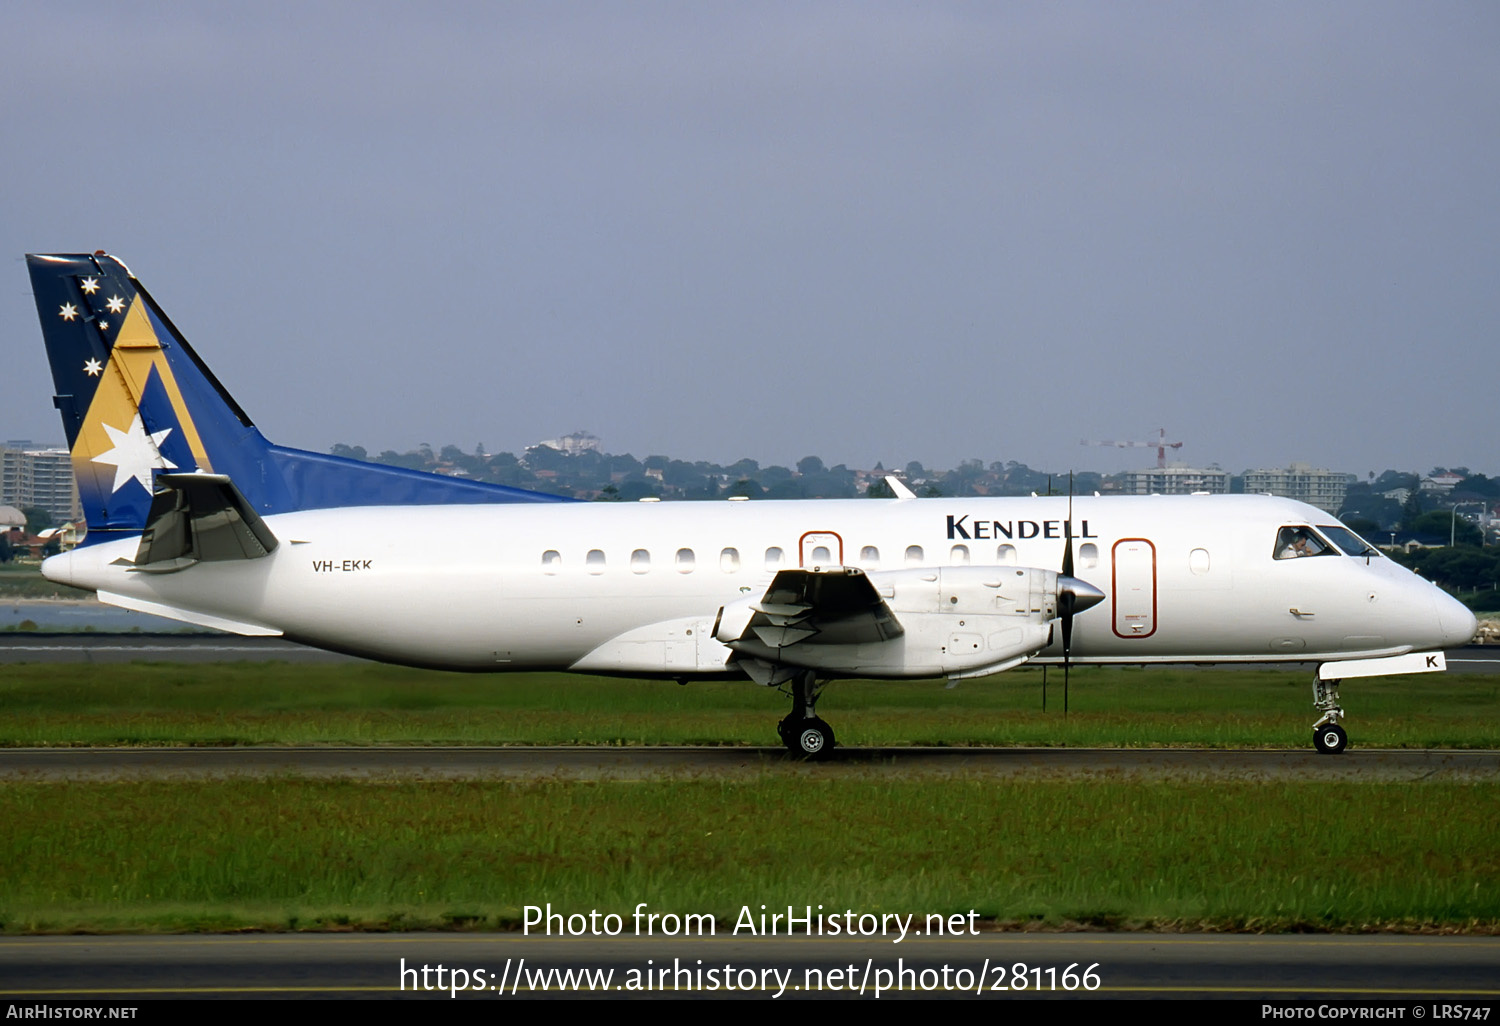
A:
[1347, 540]
[1292, 542]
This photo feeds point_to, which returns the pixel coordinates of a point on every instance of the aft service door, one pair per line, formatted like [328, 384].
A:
[1134, 591]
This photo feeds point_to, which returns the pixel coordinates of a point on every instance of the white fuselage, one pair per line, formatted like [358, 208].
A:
[637, 588]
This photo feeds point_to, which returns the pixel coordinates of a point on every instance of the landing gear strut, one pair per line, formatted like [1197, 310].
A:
[802, 731]
[1328, 737]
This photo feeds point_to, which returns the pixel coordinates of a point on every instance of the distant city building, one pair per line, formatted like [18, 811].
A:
[1324, 489]
[39, 476]
[1442, 483]
[577, 442]
[1175, 479]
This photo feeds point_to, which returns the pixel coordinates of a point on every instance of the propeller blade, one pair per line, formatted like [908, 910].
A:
[1067, 563]
[1067, 597]
[1073, 597]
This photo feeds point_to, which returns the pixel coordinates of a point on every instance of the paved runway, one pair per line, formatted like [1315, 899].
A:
[1474, 659]
[1331, 970]
[37, 647]
[656, 763]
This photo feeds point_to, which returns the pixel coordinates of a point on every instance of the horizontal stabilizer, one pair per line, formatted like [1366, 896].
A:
[199, 518]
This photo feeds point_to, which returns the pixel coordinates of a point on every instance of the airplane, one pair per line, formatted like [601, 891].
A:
[193, 515]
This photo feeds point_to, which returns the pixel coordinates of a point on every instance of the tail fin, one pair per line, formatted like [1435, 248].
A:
[137, 401]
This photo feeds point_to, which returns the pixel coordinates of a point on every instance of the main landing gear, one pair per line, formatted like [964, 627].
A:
[802, 731]
[1328, 737]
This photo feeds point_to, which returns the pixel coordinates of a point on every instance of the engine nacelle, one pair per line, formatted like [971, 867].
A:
[958, 621]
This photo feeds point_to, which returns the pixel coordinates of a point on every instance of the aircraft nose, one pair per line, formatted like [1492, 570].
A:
[1457, 622]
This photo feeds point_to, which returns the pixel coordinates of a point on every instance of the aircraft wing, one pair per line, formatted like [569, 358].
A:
[838, 607]
[959, 621]
[822, 616]
[198, 518]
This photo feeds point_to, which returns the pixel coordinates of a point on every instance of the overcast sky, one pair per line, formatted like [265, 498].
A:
[864, 231]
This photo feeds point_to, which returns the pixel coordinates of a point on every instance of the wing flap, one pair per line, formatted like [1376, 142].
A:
[838, 606]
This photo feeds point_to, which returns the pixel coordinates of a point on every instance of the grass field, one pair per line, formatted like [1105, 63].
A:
[295, 853]
[282, 703]
[303, 854]
[20, 581]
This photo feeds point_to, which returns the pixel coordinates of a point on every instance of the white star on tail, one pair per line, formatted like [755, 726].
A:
[92, 368]
[135, 454]
[91, 285]
[115, 304]
[68, 312]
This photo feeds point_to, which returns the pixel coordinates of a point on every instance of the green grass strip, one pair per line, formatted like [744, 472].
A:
[285, 703]
[304, 854]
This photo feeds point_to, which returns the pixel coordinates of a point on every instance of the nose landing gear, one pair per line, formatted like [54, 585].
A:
[1328, 737]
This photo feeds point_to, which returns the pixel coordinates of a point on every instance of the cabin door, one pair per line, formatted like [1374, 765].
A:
[1134, 588]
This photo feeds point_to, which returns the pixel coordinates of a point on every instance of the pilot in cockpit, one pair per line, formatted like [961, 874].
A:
[1299, 541]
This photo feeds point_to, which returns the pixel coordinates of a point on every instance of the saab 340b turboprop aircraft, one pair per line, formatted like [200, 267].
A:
[193, 515]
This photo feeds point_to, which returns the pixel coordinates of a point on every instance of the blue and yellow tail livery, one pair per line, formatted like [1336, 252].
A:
[136, 402]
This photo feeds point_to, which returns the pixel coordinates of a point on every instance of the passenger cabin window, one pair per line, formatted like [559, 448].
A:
[1005, 555]
[640, 561]
[551, 561]
[869, 556]
[821, 556]
[729, 560]
[1294, 542]
[595, 561]
[1088, 555]
[959, 555]
[774, 557]
[1198, 561]
[914, 555]
[685, 561]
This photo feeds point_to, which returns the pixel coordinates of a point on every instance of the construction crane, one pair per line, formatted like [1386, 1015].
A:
[1161, 445]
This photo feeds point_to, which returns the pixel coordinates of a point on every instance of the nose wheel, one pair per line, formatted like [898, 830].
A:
[1328, 737]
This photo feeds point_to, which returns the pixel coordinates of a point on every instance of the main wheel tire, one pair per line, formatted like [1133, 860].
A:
[1330, 739]
[811, 739]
